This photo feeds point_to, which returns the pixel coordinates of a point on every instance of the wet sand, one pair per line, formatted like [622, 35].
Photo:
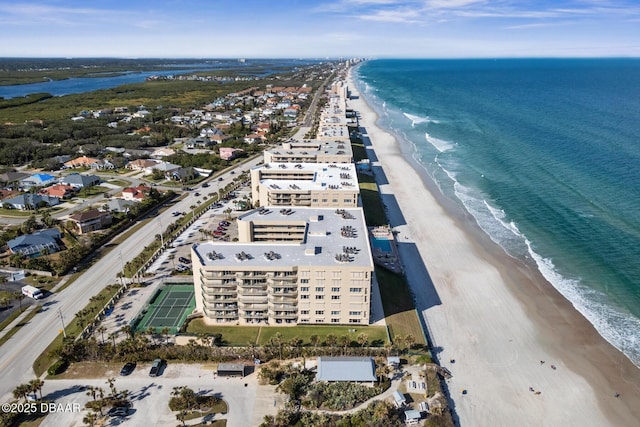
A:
[521, 351]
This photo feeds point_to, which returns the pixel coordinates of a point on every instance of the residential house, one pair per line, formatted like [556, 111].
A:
[163, 152]
[77, 180]
[91, 220]
[164, 167]
[182, 174]
[119, 205]
[11, 179]
[36, 244]
[142, 165]
[229, 153]
[58, 190]
[137, 194]
[27, 201]
[88, 162]
[196, 142]
[37, 180]
[254, 138]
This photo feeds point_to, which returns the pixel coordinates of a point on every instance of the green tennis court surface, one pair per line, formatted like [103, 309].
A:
[169, 308]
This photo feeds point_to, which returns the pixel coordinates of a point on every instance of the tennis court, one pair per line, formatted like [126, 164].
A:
[168, 308]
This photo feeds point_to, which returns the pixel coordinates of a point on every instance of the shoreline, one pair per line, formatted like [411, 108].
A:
[498, 318]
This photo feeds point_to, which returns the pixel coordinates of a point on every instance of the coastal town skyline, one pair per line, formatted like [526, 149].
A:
[334, 28]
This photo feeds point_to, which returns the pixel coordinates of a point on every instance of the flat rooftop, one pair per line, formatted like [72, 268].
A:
[312, 146]
[328, 232]
[341, 176]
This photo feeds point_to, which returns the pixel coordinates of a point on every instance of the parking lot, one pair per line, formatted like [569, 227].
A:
[248, 402]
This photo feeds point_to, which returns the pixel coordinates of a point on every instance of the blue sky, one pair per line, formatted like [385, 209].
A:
[320, 28]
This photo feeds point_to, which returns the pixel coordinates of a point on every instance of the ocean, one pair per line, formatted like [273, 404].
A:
[545, 154]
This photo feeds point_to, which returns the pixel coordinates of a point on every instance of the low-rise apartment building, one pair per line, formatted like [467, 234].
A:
[290, 266]
[310, 151]
[305, 184]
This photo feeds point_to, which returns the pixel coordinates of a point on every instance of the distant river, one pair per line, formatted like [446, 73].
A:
[82, 84]
[259, 67]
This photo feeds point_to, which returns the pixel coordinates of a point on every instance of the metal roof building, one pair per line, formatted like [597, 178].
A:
[353, 369]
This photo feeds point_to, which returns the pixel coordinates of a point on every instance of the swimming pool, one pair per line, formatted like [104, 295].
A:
[381, 243]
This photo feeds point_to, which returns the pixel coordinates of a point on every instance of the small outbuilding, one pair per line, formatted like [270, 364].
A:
[231, 370]
[399, 399]
[412, 417]
[351, 369]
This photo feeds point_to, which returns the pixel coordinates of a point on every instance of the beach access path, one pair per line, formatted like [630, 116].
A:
[520, 351]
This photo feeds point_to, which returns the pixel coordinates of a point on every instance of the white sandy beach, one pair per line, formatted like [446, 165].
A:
[497, 318]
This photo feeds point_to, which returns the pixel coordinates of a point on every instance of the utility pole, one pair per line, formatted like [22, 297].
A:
[64, 333]
[122, 266]
[161, 232]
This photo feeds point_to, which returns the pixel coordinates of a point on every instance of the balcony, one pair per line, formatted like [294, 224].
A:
[253, 306]
[253, 299]
[286, 294]
[291, 315]
[253, 291]
[283, 307]
[220, 314]
[219, 291]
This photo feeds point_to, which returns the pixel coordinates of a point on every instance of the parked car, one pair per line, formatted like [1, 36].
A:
[219, 233]
[127, 369]
[196, 194]
[119, 411]
[184, 260]
[205, 185]
[156, 367]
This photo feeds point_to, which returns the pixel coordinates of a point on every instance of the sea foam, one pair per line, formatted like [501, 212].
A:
[440, 144]
[615, 326]
[416, 120]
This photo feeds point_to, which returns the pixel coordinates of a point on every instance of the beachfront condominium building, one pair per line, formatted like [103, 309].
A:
[305, 184]
[289, 266]
[333, 124]
[310, 151]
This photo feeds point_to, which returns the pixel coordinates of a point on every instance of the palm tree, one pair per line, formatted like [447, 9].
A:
[21, 391]
[314, 340]
[102, 330]
[36, 386]
[180, 416]
[19, 296]
[344, 342]
[128, 330]
[112, 386]
[90, 419]
[362, 339]
[331, 340]
[113, 336]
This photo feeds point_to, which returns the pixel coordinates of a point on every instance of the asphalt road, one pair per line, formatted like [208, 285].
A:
[21, 350]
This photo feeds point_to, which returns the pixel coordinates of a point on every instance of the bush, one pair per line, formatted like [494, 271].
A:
[59, 367]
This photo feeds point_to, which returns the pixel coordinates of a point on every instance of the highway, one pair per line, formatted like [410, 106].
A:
[21, 350]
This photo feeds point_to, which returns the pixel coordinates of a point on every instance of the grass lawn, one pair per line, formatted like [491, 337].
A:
[401, 315]
[377, 335]
[120, 182]
[246, 335]
[218, 408]
[373, 209]
[231, 335]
